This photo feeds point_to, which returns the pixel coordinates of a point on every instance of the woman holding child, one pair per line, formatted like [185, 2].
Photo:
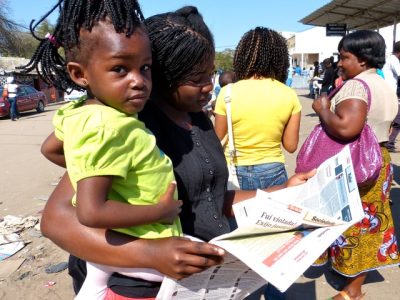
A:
[181, 87]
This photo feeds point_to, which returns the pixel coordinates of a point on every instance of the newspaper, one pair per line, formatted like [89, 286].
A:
[279, 235]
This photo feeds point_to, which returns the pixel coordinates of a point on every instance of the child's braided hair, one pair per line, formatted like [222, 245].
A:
[125, 15]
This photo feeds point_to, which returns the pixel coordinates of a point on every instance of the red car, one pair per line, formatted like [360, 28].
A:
[28, 98]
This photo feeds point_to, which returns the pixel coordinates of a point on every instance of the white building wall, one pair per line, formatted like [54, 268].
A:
[314, 40]
[387, 33]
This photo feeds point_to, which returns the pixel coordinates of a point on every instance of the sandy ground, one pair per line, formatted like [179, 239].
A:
[27, 180]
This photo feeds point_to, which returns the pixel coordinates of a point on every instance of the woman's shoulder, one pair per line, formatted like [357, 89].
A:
[352, 89]
[370, 80]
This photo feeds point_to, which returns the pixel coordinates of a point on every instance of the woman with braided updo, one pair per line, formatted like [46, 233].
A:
[265, 112]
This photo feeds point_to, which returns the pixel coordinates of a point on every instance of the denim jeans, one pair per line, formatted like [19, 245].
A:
[261, 177]
[13, 107]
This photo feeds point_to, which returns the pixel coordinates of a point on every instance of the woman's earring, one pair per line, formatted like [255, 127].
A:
[84, 82]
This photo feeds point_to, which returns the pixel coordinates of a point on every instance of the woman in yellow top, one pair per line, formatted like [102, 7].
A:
[265, 112]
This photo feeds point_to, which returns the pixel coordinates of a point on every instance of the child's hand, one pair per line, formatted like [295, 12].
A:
[321, 103]
[168, 206]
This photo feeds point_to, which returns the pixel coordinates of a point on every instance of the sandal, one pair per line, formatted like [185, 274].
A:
[346, 296]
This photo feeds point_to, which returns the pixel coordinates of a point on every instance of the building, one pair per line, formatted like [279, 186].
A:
[312, 45]
[9, 67]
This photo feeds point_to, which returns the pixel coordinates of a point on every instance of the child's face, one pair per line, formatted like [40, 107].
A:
[118, 69]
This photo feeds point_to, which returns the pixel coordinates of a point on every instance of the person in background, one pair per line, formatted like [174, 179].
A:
[297, 70]
[181, 86]
[265, 112]
[328, 82]
[316, 69]
[11, 93]
[223, 79]
[226, 78]
[391, 72]
[289, 78]
[380, 73]
[314, 79]
[371, 243]
[339, 80]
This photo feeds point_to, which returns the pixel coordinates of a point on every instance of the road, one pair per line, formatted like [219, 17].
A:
[27, 180]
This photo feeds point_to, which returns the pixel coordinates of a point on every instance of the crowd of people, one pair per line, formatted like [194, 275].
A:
[142, 156]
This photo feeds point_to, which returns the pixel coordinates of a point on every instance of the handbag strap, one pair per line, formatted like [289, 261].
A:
[231, 143]
[368, 91]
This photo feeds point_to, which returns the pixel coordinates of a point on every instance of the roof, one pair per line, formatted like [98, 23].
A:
[9, 65]
[357, 14]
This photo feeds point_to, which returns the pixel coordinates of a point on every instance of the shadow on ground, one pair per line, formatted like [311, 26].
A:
[307, 290]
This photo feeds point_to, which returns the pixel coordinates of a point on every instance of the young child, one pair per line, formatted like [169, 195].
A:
[122, 180]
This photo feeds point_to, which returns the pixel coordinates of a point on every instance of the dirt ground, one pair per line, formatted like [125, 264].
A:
[27, 180]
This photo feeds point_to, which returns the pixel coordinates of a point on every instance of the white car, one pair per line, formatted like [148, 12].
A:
[73, 95]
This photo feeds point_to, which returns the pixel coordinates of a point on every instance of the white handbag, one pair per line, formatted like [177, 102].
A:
[233, 182]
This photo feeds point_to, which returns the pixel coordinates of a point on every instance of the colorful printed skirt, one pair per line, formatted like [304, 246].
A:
[370, 244]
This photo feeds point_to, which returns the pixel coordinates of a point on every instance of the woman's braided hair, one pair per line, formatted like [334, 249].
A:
[261, 53]
[181, 43]
[125, 15]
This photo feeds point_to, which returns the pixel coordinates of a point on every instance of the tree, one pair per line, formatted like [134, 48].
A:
[224, 60]
[44, 28]
[9, 42]
[14, 38]
[28, 43]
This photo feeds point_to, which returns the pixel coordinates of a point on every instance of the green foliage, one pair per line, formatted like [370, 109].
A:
[27, 44]
[224, 60]
[14, 39]
[44, 28]
[9, 43]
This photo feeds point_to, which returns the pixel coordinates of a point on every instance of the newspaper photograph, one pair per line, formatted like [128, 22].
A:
[280, 234]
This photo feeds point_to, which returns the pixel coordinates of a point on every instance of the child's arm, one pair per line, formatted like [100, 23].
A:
[176, 257]
[95, 210]
[52, 148]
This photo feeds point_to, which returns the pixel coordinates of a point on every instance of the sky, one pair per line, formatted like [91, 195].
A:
[228, 20]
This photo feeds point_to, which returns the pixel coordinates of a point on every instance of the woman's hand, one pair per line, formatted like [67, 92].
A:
[180, 257]
[300, 178]
[321, 103]
[175, 257]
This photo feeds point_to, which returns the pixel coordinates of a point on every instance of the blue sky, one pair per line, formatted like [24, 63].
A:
[227, 19]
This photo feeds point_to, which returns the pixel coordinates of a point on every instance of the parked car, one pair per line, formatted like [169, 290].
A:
[28, 98]
[73, 95]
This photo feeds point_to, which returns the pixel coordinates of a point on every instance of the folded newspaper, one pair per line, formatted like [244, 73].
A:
[279, 235]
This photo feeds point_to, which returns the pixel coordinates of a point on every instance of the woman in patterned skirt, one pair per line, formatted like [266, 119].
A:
[371, 243]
